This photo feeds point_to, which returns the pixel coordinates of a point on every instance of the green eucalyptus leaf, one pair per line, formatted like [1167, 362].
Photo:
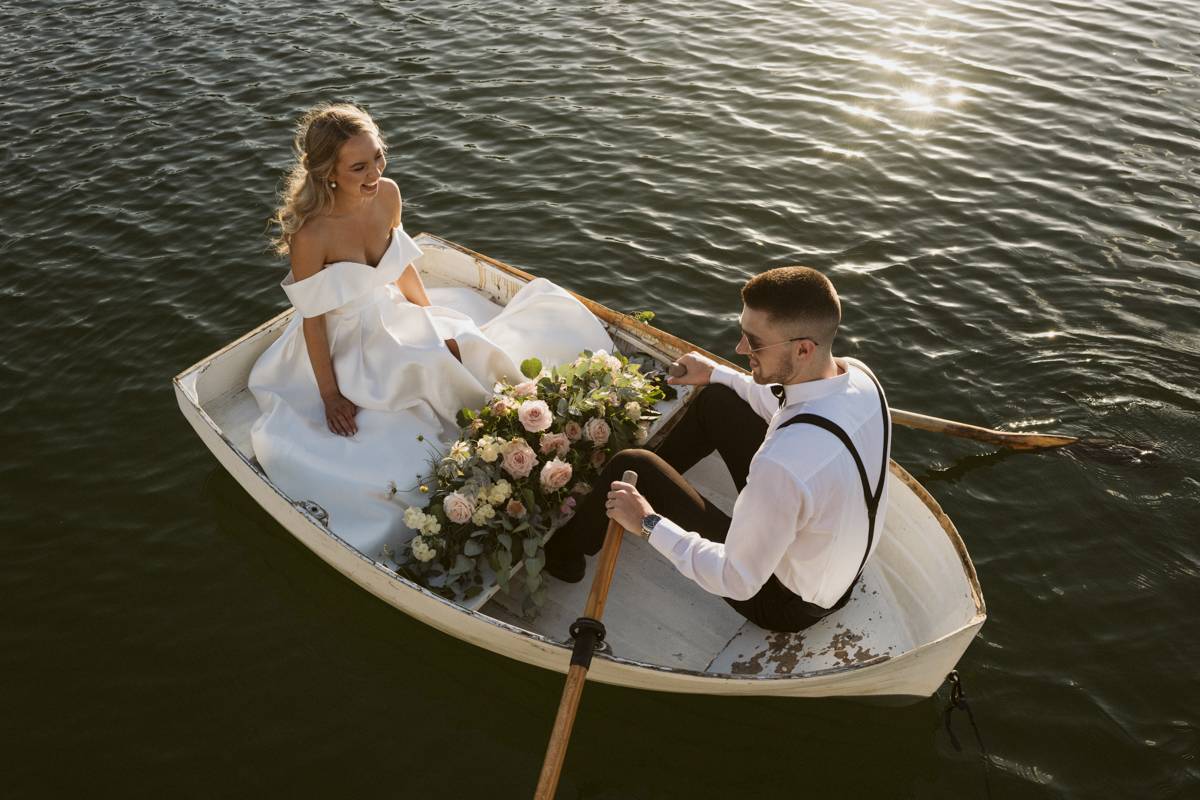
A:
[531, 368]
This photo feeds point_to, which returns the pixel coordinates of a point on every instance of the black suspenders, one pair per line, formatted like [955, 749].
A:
[871, 498]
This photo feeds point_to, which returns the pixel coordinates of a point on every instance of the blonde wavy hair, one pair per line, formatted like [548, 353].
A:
[320, 134]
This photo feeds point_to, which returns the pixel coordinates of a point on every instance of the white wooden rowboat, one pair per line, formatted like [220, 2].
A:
[916, 610]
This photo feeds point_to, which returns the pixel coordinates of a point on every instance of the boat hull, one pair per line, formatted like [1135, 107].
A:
[908, 675]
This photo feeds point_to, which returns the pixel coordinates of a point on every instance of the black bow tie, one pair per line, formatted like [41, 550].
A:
[779, 392]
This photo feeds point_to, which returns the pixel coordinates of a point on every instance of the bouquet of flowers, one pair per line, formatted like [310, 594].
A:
[518, 469]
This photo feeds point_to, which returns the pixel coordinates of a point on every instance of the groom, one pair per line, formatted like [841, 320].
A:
[806, 439]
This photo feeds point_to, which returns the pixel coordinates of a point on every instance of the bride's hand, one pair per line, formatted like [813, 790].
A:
[339, 414]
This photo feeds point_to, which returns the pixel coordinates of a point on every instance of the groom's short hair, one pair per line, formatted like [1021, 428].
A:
[799, 298]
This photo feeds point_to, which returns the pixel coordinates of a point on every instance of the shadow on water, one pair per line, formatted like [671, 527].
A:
[1093, 449]
[481, 699]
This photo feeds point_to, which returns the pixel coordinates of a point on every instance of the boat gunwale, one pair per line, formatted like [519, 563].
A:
[650, 336]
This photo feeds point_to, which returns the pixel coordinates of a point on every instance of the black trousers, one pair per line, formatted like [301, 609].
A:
[716, 420]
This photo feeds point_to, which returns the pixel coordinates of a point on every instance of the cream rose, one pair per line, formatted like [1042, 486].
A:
[534, 415]
[555, 474]
[515, 508]
[597, 431]
[500, 492]
[421, 550]
[573, 430]
[598, 458]
[633, 411]
[526, 389]
[556, 443]
[483, 514]
[489, 448]
[518, 458]
[457, 507]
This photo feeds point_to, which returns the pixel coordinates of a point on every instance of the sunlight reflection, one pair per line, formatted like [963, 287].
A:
[918, 101]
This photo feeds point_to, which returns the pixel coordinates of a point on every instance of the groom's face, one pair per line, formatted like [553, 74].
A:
[772, 357]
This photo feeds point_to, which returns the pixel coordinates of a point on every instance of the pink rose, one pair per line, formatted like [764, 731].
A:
[556, 443]
[534, 415]
[519, 458]
[572, 430]
[598, 458]
[555, 475]
[597, 431]
[515, 508]
[567, 509]
[502, 404]
[526, 389]
[458, 508]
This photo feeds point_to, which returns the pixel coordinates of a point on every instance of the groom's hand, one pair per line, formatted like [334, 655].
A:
[699, 370]
[626, 506]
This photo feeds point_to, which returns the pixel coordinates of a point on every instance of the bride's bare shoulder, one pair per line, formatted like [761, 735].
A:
[390, 192]
[308, 249]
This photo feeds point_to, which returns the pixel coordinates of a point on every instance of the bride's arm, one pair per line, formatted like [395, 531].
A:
[307, 260]
[409, 283]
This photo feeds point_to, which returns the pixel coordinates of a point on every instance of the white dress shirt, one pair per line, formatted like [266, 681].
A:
[801, 516]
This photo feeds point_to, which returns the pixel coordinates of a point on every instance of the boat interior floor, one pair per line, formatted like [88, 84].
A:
[657, 616]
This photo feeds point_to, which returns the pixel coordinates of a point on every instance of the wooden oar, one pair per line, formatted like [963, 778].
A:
[587, 630]
[1015, 441]
[909, 419]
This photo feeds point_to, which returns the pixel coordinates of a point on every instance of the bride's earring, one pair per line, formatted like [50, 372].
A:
[333, 184]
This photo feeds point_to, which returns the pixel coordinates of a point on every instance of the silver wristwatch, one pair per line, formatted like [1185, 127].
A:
[648, 523]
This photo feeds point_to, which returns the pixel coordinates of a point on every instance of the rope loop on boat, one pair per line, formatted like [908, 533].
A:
[588, 635]
[958, 700]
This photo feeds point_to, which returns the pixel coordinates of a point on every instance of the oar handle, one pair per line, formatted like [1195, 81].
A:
[564, 720]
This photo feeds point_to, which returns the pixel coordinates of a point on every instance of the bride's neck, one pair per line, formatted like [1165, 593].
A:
[348, 206]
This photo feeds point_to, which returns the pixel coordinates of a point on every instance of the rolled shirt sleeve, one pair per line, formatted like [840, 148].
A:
[765, 520]
[758, 396]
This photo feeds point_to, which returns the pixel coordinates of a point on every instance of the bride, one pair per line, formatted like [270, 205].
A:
[370, 373]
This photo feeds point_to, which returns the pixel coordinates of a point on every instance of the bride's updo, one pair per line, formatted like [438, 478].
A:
[320, 134]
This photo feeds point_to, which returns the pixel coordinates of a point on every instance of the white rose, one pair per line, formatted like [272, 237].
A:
[633, 411]
[457, 507]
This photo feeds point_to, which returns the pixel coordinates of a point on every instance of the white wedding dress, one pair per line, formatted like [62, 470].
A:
[390, 360]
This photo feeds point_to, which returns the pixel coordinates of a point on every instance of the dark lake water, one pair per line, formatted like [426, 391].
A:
[1004, 192]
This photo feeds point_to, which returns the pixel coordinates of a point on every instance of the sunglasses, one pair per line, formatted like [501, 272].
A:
[776, 344]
